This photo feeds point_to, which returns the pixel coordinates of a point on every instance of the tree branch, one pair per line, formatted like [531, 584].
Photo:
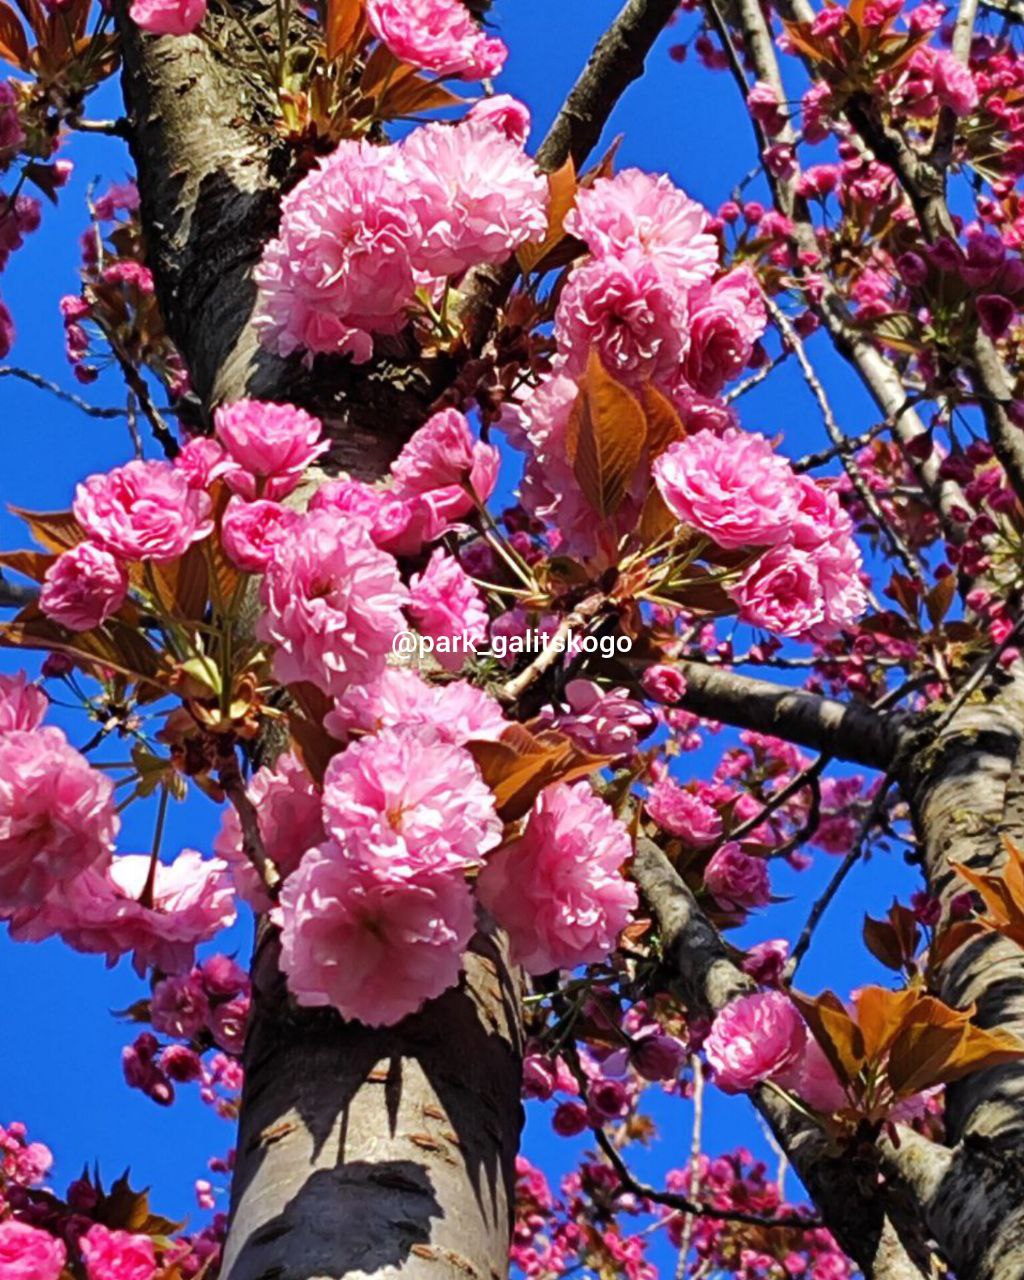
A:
[845, 730]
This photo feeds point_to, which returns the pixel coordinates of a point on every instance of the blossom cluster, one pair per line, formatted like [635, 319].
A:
[374, 231]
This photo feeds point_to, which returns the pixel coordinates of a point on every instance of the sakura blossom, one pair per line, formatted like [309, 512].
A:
[404, 802]
[332, 604]
[753, 1039]
[22, 704]
[142, 511]
[558, 889]
[29, 1253]
[117, 1255]
[375, 947]
[457, 712]
[83, 587]
[438, 35]
[57, 816]
[448, 609]
[272, 445]
[168, 17]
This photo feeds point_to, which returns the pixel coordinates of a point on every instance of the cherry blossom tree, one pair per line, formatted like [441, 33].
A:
[456, 740]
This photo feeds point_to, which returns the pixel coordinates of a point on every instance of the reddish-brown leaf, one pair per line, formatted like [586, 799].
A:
[521, 764]
[605, 437]
[54, 530]
[343, 24]
[13, 45]
[562, 197]
[835, 1031]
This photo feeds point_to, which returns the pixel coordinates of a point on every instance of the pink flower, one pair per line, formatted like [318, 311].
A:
[27, 1253]
[440, 459]
[734, 487]
[627, 309]
[203, 460]
[457, 712]
[12, 135]
[168, 17]
[664, 683]
[954, 84]
[22, 705]
[228, 1023]
[332, 604]
[373, 947]
[437, 35]
[340, 268]
[447, 608]
[400, 525]
[179, 1006]
[558, 890]
[116, 1255]
[83, 588]
[102, 913]
[684, 813]
[403, 802]
[477, 194]
[506, 113]
[7, 332]
[813, 1079]
[604, 722]
[252, 531]
[737, 881]
[288, 814]
[142, 511]
[726, 319]
[272, 444]
[766, 961]
[646, 212]
[56, 815]
[753, 1039]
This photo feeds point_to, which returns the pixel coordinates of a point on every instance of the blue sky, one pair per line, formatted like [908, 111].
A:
[59, 1065]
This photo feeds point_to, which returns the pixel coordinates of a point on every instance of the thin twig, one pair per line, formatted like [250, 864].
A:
[557, 645]
[230, 778]
[136, 383]
[835, 884]
[696, 1142]
[836, 434]
[44, 384]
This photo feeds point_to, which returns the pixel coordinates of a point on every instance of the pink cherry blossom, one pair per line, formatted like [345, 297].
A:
[400, 525]
[954, 84]
[627, 309]
[726, 319]
[502, 111]
[558, 889]
[117, 1255]
[29, 1253]
[332, 604]
[101, 913]
[753, 1039]
[373, 947]
[448, 609]
[404, 802]
[765, 961]
[179, 1006]
[605, 722]
[142, 511]
[340, 268]
[477, 194]
[664, 683]
[22, 704]
[288, 813]
[250, 532]
[684, 813]
[735, 880]
[272, 444]
[203, 460]
[83, 587]
[457, 712]
[734, 487]
[168, 17]
[440, 459]
[813, 1079]
[7, 331]
[56, 815]
[646, 212]
[438, 35]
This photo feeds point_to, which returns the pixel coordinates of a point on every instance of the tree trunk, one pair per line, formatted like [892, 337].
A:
[364, 1151]
[360, 1151]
